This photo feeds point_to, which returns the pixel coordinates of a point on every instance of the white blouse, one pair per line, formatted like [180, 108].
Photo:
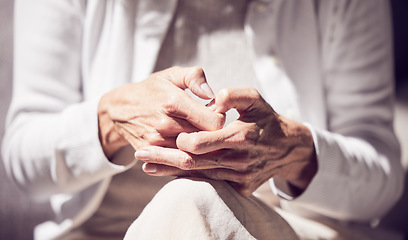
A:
[337, 55]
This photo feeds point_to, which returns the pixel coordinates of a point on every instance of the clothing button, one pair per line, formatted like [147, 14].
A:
[260, 7]
[275, 59]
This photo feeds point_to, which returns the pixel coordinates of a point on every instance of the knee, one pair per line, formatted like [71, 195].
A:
[188, 191]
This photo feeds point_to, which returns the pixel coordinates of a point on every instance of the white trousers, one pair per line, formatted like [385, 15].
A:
[206, 209]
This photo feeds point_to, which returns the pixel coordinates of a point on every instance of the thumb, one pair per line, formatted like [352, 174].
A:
[192, 78]
[242, 99]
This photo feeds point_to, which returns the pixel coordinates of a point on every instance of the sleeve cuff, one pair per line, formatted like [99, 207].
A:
[80, 148]
[319, 198]
[322, 182]
[281, 189]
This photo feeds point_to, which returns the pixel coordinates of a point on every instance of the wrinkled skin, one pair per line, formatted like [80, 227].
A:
[259, 145]
[155, 111]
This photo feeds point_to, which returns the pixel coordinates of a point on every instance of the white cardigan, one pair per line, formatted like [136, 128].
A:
[68, 53]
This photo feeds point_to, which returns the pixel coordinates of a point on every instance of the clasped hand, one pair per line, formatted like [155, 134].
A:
[259, 145]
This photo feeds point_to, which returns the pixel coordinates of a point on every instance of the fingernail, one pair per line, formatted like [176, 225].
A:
[212, 107]
[149, 168]
[206, 88]
[142, 154]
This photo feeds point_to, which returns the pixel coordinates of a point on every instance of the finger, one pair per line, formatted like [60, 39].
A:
[162, 170]
[176, 158]
[165, 156]
[140, 139]
[238, 135]
[184, 107]
[237, 180]
[242, 99]
[192, 78]
[244, 183]
[243, 189]
[230, 175]
[169, 126]
[216, 174]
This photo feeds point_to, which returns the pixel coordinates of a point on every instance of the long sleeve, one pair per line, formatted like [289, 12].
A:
[51, 143]
[360, 175]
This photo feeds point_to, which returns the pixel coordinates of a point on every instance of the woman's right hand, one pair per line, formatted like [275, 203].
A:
[156, 110]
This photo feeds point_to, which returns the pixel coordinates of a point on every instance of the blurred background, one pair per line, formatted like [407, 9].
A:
[18, 215]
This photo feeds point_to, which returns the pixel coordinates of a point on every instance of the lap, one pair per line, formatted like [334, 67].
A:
[207, 209]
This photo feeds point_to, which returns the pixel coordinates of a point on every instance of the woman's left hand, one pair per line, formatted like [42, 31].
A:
[259, 145]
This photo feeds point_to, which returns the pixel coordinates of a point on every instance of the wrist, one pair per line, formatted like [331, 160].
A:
[305, 176]
[303, 156]
[111, 141]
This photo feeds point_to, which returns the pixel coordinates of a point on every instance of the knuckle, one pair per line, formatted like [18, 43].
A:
[172, 105]
[253, 93]
[246, 191]
[163, 124]
[195, 74]
[195, 144]
[252, 134]
[223, 97]
[219, 121]
[156, 157]
[212, 173]
[224, 94]
[153, 138]
[197, 71]
[244, 139]
[247, 177]
[214, 121]
[241, 166]
[186, 162]
[240, 138]
[175, 68]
